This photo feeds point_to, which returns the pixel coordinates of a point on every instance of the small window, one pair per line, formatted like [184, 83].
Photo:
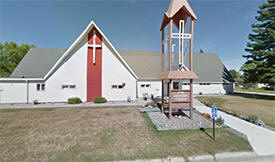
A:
[114, 86]
[143, 85]
[72, 86]
[120, 86]
[65, 86]
[148, 85]
[38, 87]
[43, 87]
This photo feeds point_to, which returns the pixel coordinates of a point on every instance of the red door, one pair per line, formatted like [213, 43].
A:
[94, 65]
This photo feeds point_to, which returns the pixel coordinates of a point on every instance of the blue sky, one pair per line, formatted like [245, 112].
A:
[222, 26]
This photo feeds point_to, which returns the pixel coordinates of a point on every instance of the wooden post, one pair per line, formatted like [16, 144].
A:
[162, 50]
[170, 45]
[170, 103]
[162, 96]
[191, 44]
[191, 98]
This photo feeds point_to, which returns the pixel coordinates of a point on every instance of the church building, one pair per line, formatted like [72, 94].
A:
[92, 67]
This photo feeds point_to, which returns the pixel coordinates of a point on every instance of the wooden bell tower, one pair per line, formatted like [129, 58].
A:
[177, 57]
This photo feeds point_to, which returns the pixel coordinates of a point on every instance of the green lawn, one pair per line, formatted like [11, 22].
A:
[259, 90]
[262, 108]
[99, 134]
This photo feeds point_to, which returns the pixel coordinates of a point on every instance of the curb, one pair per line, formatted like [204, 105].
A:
[200, 158]
[225, 155]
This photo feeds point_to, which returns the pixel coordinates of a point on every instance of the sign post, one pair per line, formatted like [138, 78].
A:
[214, 115]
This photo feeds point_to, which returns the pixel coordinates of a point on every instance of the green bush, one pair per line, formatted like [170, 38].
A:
[252, 119]
[100, 100]
[220, 120]
[74, 100]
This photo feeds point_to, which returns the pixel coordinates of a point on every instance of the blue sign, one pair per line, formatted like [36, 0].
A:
[214, 112]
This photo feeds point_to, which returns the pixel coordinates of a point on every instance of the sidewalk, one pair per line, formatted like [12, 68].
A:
[261, 139]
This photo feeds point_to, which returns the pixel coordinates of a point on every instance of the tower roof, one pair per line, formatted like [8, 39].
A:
[176, 5]
[178, 10]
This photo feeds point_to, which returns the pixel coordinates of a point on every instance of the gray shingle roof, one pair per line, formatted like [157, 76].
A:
[146, 65]
[37, 63]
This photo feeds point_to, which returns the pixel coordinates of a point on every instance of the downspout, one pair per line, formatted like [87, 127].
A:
[27, 92]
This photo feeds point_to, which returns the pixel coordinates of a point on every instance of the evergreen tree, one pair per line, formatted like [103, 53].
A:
[260, 64]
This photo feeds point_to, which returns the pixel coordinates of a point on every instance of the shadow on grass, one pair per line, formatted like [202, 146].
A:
[204, 131]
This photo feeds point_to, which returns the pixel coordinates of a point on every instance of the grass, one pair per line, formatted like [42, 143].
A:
[260, 90]
[83, 134]
[263, 109]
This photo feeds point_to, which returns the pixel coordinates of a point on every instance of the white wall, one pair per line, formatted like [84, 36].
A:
[154, 89]
[115, 73]
[13, 92]
[72, 72]
[213, 88]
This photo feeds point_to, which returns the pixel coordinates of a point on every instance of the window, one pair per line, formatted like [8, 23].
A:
[65, 86]
[148, 85]
[72, 86]
[43, 87]
[120, 86]
[69, 86]
[38, 87]
[143, 85]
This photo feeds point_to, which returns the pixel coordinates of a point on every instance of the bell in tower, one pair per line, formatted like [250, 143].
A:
[177, 73]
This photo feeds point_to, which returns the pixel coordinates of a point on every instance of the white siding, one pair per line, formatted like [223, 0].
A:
[115, 73]
[213, 88]
[153, 89]
[72, 72]
[13, 92]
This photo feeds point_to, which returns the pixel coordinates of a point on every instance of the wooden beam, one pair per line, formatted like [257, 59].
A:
[162, 96]
[191, 98]
[191, 44]
[170, 96]
[162, 50]
[170, 45]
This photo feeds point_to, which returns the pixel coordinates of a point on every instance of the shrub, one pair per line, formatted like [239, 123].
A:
[206, 115]
[220, 120]
[235, 114]
[252, 119]
[100, 100]
[74, 100]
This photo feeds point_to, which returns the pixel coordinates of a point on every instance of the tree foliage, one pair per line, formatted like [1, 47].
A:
[260, 64]
[234, 73]
[10, 56]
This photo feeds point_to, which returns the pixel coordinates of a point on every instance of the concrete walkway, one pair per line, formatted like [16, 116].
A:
[261, 139]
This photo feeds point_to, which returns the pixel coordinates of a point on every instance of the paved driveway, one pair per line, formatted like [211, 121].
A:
[261, 139]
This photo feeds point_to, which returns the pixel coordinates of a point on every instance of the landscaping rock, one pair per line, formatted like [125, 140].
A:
[161, 121]
[260, 123]
[149, 109]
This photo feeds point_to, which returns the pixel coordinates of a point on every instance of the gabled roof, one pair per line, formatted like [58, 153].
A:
[178, 10]
[176, 5]
[147, 65]
[56, 58]
[78, 40]
[37, 63]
